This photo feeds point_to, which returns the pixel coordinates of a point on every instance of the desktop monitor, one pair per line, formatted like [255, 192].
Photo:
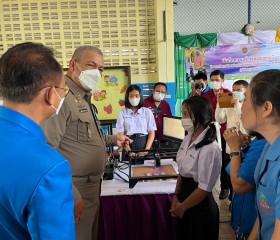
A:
[173, 129]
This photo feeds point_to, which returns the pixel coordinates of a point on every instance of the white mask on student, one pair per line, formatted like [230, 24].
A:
[134, 101]
[239, 95]
[89, 78]
[1, 102]
[187, 124]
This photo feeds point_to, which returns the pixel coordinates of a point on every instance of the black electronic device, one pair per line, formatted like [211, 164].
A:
[156, 110]
[199, 86]
[109, 171]
[111, 162]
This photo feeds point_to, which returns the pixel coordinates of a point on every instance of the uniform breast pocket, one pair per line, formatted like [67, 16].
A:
[144, 122]
[265, 200]
[144, 118]
[85, 129]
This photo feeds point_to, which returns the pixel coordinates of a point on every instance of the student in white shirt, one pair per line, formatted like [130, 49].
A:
[136, 121]
[199, 164]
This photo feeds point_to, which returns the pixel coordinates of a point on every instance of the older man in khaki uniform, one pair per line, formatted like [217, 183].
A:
[76, 133]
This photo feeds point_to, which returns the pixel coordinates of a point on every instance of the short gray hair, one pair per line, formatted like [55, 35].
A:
[79, 52]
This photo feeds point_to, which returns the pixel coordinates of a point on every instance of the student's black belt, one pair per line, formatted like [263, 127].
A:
[137, 135]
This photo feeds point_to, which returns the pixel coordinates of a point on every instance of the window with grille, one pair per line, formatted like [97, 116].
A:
[125, 30]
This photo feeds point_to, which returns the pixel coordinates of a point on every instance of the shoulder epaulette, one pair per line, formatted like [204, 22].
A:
[66, 90]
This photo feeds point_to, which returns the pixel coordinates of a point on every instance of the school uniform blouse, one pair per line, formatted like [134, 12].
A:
[140, 122]
[203, 164]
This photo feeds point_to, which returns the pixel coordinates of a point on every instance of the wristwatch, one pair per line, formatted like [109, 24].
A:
[232, 154]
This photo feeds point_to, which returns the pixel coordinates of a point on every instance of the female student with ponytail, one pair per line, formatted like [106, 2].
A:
[199, 163]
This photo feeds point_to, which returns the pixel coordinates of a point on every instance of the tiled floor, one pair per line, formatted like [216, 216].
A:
[226, 232]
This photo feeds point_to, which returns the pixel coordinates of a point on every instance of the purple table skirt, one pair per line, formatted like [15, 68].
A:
[136, 217]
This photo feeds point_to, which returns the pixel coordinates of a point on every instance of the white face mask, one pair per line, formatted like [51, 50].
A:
[134, 101]
[89, 78]
[215, 85]
[1, 102]
[60, 104]
[187, 124]
[158, 96]
[239, 95]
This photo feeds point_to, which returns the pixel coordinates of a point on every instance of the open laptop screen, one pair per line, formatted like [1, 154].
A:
[173, 129]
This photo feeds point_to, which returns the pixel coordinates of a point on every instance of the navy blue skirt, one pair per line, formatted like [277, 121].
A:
[201, 221]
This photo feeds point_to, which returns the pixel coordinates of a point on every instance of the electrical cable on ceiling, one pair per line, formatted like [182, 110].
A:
[249, 11]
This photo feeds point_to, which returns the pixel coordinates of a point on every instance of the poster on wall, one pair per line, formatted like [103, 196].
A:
[109, 98]
[236, 61]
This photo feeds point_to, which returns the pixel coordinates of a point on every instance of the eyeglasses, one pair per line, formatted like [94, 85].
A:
[65, 89]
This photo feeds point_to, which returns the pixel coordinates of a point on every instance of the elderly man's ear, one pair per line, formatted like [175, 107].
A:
[72, 64]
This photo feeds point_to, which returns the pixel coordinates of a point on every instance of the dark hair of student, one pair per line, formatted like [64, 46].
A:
[201, 109]
[200, 75]
[265, 86]
[130, 89]
[217, 72]
[244, 83]
[27, 68]
[160, 83]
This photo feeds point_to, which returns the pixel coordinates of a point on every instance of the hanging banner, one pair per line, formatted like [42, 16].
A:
[236, 61]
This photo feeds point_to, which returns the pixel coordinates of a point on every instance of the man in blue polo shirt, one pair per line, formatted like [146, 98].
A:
[36, 200]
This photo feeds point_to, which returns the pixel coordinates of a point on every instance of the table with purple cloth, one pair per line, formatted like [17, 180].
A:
[137, 213]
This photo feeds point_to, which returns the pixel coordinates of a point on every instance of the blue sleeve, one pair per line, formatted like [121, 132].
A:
[247, 169]
[51, 207]
[277, 201]
[228, 169]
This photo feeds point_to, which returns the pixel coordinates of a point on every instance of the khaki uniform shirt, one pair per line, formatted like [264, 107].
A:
[76, 133]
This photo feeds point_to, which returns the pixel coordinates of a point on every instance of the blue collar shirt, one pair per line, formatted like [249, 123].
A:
[36, 200]
[267, 178]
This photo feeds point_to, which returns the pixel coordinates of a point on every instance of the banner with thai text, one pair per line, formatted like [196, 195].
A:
[236, 61]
